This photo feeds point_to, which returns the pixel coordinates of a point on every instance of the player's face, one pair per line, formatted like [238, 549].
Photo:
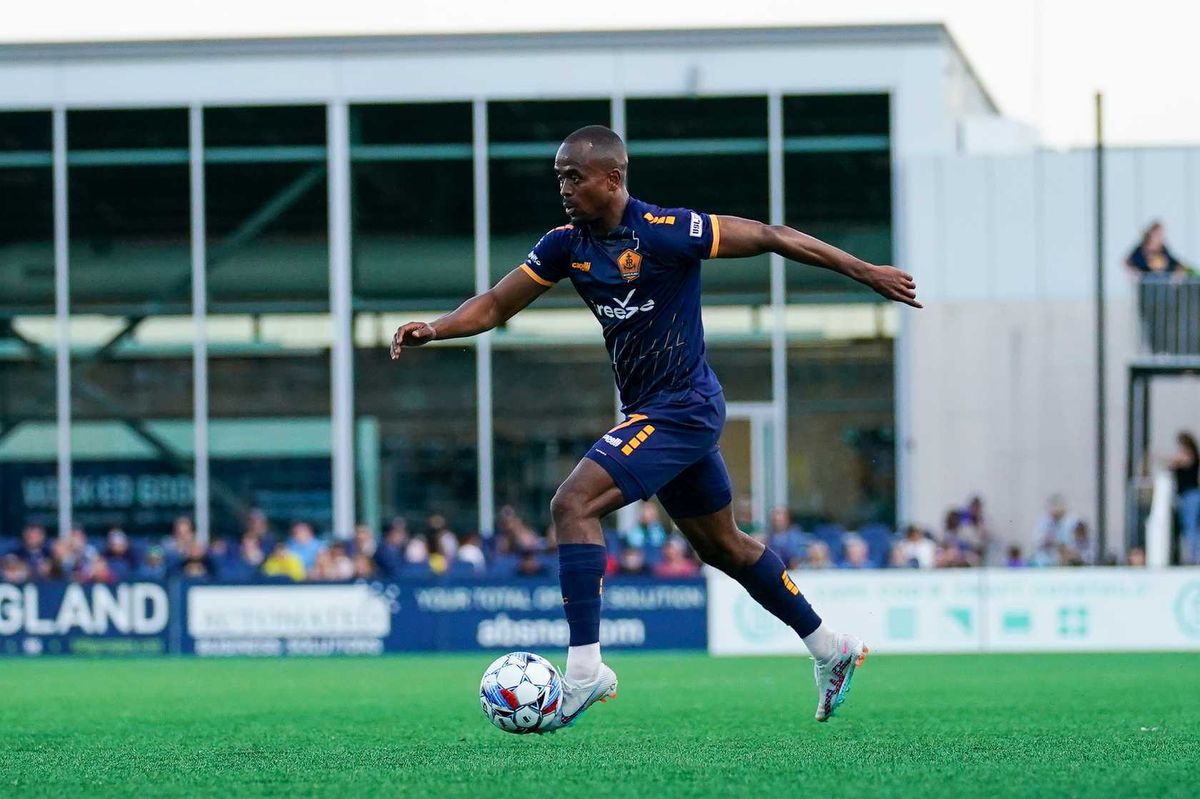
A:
[585, 187]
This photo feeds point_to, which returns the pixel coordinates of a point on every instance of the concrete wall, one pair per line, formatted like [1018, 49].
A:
[999, 391]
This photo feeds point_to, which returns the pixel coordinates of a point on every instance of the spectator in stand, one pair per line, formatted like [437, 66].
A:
[632, 562]
[915, 551]
[304, 543]
[178, 545]
[962, 552]
[242, 564]
[78, 555]
[100, 572]
[471, 551]
[340, 566]
[389, 556]
[1057, 525]
[649, 532]
[34, 550]
[364, 567]
[786, 538]
[1151, 256]
[13, 569]
[818, 556]
[259, 526]
[743, 515]
[283, 562]
[1014, 560]
[1047, 554]
[856, 555]
[1080, 552]
[417, 551]
[153, 566]
[1136, 557]
[120, 555]
[531, 565]
[196, 565]
[975, 530]
[675, 562]
[363, 542]
[1186, 466]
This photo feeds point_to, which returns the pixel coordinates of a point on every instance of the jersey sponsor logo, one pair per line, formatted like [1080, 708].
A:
[624, 309]
[630, 263]
[582, 266]
[613, 440]
[658, 220]
[697, 228]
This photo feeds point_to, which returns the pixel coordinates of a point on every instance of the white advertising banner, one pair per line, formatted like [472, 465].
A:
[977, 610]
[287, 611]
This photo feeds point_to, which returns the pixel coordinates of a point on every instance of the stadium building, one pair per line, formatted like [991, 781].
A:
[207, 245]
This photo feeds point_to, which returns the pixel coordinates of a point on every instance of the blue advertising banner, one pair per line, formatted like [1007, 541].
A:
[74, 619]
[437, 615]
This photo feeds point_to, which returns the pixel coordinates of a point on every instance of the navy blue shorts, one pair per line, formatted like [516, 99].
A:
[669, 448]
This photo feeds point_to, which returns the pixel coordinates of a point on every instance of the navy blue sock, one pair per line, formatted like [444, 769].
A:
[581, 575]
[768, 582]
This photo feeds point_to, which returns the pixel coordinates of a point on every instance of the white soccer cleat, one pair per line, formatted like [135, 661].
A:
[578, 697]
[833, 675]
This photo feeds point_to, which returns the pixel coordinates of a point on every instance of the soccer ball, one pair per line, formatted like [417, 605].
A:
[520, 692]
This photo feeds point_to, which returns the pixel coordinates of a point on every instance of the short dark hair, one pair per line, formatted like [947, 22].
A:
[605, 145]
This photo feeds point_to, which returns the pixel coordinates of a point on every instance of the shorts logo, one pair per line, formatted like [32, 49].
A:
[533, 259]
[697, 228]
[637, 440]
[630, 263]
[585, 266]
[613, 440]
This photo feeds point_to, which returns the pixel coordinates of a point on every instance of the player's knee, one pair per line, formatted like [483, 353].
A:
[567, 506]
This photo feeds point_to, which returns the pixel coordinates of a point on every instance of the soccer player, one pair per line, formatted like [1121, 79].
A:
[637, 267]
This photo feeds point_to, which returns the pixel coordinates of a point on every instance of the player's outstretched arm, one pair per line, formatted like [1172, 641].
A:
[741, 238]
[482, 312]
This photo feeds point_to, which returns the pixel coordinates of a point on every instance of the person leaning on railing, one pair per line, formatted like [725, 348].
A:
[1151, 256]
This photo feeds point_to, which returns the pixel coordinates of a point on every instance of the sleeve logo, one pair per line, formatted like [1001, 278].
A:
[697, 229]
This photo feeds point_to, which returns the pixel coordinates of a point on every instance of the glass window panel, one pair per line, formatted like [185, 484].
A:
[550, 404]
[837, 182]
[129, 226]
[728, 175]
[414, 246]
[26, 310]
[264, 126]
[414, 215]
[523, 191]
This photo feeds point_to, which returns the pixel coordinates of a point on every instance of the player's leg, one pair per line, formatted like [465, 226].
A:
[698, 500]
[585, 497]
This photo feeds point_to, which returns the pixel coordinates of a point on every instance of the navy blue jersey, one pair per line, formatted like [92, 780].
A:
[642, 281]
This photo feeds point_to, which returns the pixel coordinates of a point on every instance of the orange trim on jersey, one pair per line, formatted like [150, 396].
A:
[536, 277]
[716, 226]
[634, 419]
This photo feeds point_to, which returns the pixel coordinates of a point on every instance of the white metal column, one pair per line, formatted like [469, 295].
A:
[483, 345]
[901, 363]
[62, 323]
[199, 324]
[342, 353]
[779, 488]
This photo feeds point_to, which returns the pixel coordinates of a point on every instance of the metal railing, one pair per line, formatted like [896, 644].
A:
[1169, 315]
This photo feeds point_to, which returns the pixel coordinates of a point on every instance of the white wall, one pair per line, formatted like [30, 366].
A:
[1001, 389]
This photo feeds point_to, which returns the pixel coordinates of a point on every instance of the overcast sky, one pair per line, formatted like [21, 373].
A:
[1041, 59]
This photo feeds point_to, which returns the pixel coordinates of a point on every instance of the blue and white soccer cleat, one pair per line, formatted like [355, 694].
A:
[833, 676]
[578, 697]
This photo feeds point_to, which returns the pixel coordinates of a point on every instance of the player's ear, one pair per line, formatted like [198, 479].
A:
[615, 179]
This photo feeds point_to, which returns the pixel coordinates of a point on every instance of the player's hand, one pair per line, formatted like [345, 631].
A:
[413, 334]
[893, 284]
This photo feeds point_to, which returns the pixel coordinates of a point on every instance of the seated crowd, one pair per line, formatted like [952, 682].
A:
[650, 547]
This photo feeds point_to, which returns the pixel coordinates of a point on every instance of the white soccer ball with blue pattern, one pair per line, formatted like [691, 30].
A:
[520, 692]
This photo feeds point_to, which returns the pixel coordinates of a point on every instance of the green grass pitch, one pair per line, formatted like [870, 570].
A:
[683, 725]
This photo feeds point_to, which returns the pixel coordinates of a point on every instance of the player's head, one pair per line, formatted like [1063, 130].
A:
[591, 164]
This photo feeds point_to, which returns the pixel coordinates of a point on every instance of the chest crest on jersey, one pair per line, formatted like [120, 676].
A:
[630, 264]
